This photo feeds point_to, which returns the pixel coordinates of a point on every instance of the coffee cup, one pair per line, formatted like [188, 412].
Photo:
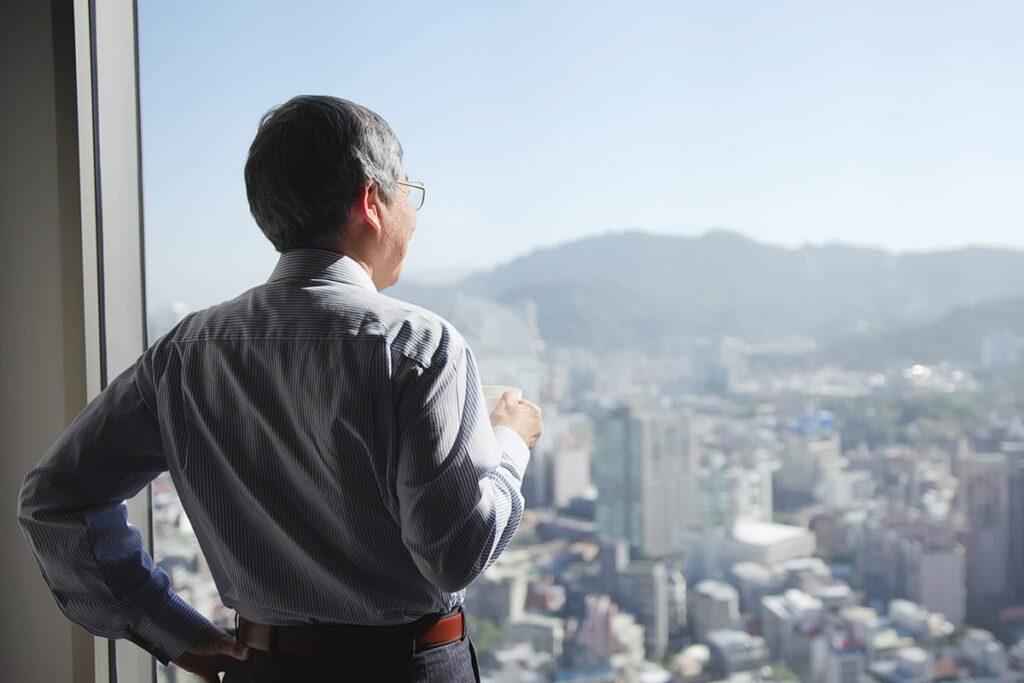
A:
[494, 392]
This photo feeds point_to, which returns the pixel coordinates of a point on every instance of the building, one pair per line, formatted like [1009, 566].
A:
[644, 592]
[842, 489]
[498, 595]
[753, 581]
[544, 633]
[1016, 485]
[804, 571]
[846, 661]
[983, 654]
[729, 493]
[792, 624]
[766, 543]
[676, 608]
[595, 631]
[810, 448]
[862, 624]
[914, 620]
[935, 576]
[833, 595]
[646, 475]
[606, 631]
[711, 553]
[1008, 439]
[570, 472]
[612, 559]
[712, 606]
[735, 651]
[909, 665]
[985, 504]
[906, 555]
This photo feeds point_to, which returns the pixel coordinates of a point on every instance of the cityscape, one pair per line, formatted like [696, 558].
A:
[719, 508]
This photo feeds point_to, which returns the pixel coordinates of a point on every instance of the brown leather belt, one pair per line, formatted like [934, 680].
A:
[424, 634]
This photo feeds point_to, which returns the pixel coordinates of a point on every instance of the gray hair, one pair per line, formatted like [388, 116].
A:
[310, 158]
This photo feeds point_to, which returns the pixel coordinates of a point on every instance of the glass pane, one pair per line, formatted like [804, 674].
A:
[781, 447]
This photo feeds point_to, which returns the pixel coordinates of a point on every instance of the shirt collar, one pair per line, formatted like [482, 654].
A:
[313, 264]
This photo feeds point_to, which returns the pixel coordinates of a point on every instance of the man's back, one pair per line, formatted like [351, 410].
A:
[329, 444]
[278, 412]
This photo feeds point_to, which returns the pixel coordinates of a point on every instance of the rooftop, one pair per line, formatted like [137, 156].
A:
[716, 590]
[766, 533]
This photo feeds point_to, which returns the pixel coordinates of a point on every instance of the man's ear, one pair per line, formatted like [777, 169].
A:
[367, 205]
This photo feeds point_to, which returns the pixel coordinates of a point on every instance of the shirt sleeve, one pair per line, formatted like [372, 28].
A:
[73, 513]
[458, 479]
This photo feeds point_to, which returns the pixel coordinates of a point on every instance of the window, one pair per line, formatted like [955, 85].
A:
[793, 411]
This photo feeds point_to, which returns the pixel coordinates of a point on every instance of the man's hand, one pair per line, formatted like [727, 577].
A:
[521, 416]
[211, 653]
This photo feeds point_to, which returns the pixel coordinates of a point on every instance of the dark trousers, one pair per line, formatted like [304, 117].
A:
[452, 663]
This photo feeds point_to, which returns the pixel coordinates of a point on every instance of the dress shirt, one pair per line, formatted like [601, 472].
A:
[329, 444]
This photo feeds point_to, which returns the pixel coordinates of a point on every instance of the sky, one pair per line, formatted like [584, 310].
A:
[894, 125]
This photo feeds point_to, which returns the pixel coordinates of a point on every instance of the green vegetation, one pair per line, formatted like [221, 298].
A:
[780, 672]
[918, 420]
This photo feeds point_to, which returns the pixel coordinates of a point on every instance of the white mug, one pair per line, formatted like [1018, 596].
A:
[493, 394]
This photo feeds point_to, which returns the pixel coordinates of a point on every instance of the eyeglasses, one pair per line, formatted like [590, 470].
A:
[417, 193]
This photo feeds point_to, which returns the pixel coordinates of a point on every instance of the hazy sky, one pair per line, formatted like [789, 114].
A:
[892, 124]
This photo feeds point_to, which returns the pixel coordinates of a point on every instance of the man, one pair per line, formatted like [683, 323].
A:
[329, 444]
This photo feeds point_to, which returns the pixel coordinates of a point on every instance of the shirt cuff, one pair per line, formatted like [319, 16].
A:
[170, 630]
[513, 447]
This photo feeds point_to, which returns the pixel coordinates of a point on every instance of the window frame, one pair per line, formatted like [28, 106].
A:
[110, 156]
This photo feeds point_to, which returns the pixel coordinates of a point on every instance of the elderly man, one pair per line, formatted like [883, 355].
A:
[329, 444]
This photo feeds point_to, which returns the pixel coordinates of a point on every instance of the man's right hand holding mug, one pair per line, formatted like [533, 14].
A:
[520, 415]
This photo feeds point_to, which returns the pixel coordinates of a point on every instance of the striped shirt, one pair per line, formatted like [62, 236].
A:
[329, 444]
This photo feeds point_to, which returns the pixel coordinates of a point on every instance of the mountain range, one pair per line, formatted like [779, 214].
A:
[635, 289]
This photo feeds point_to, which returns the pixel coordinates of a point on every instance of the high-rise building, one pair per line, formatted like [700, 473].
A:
[643, 591]
[646, 475]
[1016, 512]
[1008, 439]
[935, 576]
[985, 504]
